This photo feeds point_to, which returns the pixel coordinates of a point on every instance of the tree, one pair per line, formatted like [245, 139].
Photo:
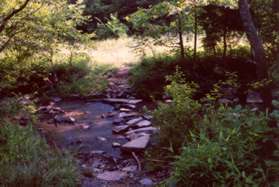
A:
[257, 47]
[30, 26]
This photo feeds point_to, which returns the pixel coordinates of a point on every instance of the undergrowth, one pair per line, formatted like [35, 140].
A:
[25, 158]
[66, 77]
[212, 145]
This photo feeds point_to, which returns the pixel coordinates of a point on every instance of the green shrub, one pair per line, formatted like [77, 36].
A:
[148, 77]
[38, 76]
[26, 160]
[175, 119]
[226, 151]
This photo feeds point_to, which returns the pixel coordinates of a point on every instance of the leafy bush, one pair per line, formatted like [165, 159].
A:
[25, 158]
[226, 151]
[175, 119]
[31, 76]
[148, 77]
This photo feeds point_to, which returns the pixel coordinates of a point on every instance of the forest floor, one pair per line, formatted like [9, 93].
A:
[106, 136]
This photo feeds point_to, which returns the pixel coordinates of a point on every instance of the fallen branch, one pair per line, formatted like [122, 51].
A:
[137, 160]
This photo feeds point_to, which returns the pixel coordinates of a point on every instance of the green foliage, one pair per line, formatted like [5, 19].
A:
[25, 158]
[148, 77]
[32, 76]
[176, 118]
[225, 151]
[112, 28]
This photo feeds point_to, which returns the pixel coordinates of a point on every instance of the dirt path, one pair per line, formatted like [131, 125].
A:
[107, 137]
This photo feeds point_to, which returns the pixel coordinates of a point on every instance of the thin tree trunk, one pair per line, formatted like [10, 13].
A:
[180, 34]
[225, 43]
[195, 33]
[257, 47]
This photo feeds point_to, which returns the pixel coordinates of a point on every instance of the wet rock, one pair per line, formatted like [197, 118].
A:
[116, 144]
[275, 104]
[125, 114]
[148, 117]
[97, 152]
[102, 139]
[224, 101]
[254, 98]
[133, 136]
[132, 168]
[134, 121]
[130, 106]
[64, 119]
[119, 129]
[87, 172]
[145, 129]
[146, 182]
[85, 127]
[168, 101]
[126, 101]
[56, 99]
[144, 123]
[112, 176]
[125, 110]
[118, 120]
[138, 144]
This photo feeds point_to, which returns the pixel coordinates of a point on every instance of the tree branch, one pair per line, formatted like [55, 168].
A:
[12, 14]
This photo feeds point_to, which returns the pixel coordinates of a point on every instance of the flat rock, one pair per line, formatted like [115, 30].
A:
[102, 139]
[134, 121]
[116, 144]
[144, 123]
[125, 110]
[254, 98]
[64, 119]
[137, 144]
[112, 175]
[148, 117]
[127, 101]
[125, 114]
[133, 136]
[145, 129]
[146, 182]
[131, 168]
[120, 128]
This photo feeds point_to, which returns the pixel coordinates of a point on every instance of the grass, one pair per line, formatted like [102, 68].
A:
[25, 158]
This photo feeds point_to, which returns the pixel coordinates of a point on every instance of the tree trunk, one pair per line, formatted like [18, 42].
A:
[257, 47]
[180, 34]
[225, 43]
[195, 33]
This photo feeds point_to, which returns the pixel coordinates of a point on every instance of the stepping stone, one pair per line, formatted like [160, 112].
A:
[130, 106]
[127, 101]
[97, 152]
[125, 115]
[64, 119]
[145, 129]
[112, 175]
[116, 144]
[148, 117]
[119, 129]
[125, 110]
[146, 182]
[138, 144]
[134, 121]
[132, 168]
[254, 98]
[102, 139]
[133, 136]
[144, 123]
